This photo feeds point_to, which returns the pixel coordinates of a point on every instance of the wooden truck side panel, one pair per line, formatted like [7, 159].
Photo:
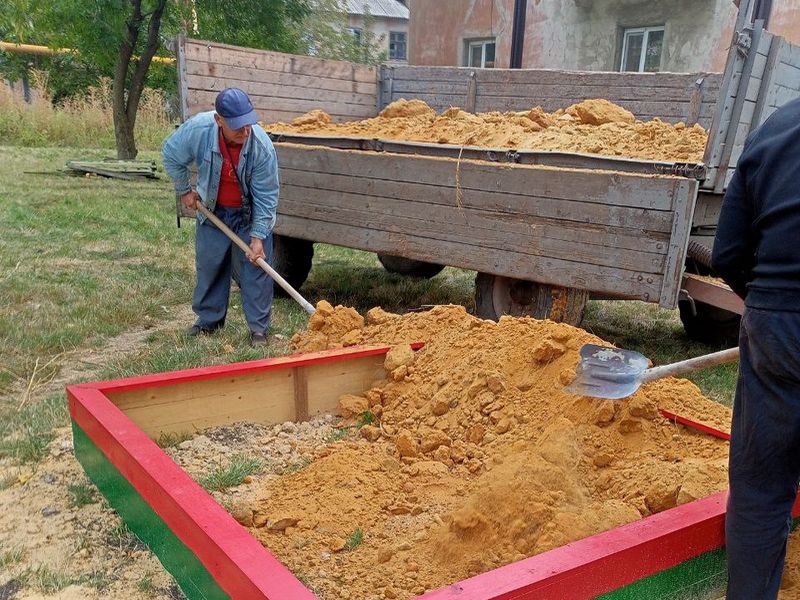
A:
[616, 233]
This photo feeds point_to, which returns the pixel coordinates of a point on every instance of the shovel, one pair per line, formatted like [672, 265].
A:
[614, 373]
[261, 262]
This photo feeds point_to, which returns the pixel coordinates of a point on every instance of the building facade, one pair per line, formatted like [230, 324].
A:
[591, 35]
[388, 21]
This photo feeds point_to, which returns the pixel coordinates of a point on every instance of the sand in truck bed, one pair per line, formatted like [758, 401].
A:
[593, 126]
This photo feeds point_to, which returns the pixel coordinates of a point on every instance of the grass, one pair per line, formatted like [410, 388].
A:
[222, 478]
[354, 540]
[11, 557]
[121, 539]
[40, 123]
[172, 438]
[81, 494]
[26, 431]
[297, 466]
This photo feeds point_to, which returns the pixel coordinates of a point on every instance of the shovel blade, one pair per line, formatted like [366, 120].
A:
[607, 372]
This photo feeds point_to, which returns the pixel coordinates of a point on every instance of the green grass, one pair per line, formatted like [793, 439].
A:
[171, 438]
[354, 540]
[222, 478]
[81, 494]
[26, 431]
[11, 557]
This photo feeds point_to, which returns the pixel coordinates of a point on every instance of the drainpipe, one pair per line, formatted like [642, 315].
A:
[518, 33]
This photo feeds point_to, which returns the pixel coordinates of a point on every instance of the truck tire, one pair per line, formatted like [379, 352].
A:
[496, 296]
[292, 258]
[709, 324]
[409, 266]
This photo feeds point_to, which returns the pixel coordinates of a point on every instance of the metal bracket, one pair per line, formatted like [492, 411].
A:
[684, 295]
[744, 41]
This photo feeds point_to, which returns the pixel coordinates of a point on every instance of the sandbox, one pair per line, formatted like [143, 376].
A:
[670, 553]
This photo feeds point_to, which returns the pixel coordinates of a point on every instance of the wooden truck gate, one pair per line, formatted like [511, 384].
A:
[547, 224]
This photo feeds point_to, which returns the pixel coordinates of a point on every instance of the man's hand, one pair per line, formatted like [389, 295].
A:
[256, 250]
[190, 199]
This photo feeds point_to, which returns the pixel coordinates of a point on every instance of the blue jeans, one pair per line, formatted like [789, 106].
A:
[213, 262]
[765, 453]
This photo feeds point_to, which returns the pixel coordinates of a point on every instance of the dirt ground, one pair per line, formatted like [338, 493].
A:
[592, 126]
[473, 458]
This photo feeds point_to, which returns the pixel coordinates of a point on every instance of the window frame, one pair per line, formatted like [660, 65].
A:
[356, 32]
[645, 31]
[482, 43]
[404, 43]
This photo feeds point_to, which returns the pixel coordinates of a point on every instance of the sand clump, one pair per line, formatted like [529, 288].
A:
[594, 126]
[474, 457]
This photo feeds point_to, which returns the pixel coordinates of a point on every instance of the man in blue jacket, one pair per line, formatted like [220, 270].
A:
[237, 179]
[757, 252]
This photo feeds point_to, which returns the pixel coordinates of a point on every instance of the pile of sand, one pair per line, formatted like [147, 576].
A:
[592, 126]
[476, 457]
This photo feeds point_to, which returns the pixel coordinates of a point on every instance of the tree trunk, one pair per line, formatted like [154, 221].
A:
[123, 131]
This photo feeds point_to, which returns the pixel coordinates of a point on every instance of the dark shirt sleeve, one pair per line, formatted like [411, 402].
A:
[734, 252]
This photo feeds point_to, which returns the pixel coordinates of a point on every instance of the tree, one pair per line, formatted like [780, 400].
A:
[120, 38]
[327, 34]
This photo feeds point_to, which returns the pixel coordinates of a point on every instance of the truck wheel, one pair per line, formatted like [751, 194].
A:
[409, 266]
[291, 257]
[709, 324]
[496, 296]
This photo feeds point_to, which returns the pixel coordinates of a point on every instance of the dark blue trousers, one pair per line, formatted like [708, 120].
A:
[213, 261]
[765, 453]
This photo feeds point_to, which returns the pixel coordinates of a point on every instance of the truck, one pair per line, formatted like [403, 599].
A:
[544, 231]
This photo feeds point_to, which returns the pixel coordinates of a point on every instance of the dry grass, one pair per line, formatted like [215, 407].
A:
[85, 121]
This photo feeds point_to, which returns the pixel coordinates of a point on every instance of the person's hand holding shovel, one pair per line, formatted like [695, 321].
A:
[256, 251]
[190, 199]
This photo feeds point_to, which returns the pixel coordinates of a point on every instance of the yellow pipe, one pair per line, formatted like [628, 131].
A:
[44, 50]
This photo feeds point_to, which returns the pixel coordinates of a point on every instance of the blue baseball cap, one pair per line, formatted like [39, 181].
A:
[233, 105]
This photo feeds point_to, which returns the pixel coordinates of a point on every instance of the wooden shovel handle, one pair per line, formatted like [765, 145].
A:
[260, 261]
[693, 364]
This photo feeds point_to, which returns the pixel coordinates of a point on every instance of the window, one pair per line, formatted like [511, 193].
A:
[641, 49]
[397, 45]
[479, 53]
[356, 33]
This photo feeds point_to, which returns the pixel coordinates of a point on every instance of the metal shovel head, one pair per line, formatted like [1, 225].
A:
[607, 372]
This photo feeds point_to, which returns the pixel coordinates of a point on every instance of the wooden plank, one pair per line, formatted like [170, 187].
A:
[450, 224]
[223, 54]
[260, 391]
[321, 96]
[241, 566]
[603, 187]
[524, 215]
[563, 273]
[472, 93]
[330, 381]
[736, 113]
[300, 393]
[246, 74]
[713, 293]
[195, 406]
[201, 100]
[767, 80]
[679, 241]
[631, 221]
[547, 76]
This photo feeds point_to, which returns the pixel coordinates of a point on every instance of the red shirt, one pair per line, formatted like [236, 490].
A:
[229, 194]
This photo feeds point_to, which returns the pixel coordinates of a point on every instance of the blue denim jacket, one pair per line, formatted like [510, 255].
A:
[197, 140]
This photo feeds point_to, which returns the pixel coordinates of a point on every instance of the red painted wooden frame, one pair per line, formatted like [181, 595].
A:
[246, 570]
